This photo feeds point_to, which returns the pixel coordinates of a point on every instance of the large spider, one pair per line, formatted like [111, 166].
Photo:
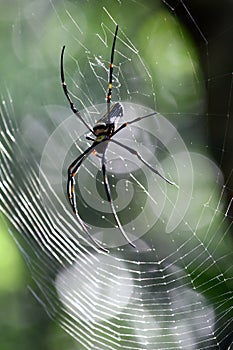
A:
[103, 132]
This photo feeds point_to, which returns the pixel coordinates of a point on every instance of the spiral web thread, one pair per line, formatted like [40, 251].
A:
[177, 297]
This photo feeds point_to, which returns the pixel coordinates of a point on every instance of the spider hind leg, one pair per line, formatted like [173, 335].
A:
[72, 171]
[109, 197]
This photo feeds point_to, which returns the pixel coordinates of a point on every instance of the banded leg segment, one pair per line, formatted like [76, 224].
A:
[72, 172]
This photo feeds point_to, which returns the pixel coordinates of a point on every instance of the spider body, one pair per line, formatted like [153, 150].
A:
[105, 127]
[102, 133]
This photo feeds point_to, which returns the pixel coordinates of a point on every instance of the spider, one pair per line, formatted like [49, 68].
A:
[103, 132]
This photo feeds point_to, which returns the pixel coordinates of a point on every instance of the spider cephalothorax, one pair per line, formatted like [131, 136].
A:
[103, 132]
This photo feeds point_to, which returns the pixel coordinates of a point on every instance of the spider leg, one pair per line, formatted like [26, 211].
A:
[90, 138]
[109, 197]
[109, 94]
[66, 92]
[72, 172]
[135, 153]
[133, 121]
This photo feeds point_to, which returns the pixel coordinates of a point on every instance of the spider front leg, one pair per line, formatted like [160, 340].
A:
[66, 92]
[109, 197]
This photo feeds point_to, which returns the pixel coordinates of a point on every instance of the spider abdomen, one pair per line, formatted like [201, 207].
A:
[101, 138]
[103, 132]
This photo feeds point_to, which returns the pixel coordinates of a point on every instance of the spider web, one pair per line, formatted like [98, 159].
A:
[174, 291]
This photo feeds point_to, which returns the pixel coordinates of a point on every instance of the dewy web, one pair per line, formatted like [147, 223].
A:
[174, 291]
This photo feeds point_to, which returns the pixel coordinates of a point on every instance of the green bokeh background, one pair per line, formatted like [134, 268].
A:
[31, 39]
